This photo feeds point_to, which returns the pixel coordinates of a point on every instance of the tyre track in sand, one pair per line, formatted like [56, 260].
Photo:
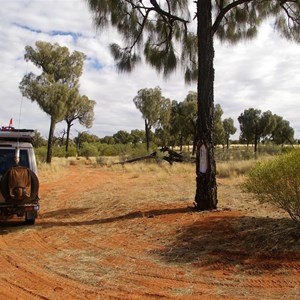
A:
[89, 243]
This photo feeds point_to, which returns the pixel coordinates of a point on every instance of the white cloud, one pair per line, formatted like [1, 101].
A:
[263, 73]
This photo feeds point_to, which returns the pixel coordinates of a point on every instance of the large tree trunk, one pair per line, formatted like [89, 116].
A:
[50, 139]
[206, 192]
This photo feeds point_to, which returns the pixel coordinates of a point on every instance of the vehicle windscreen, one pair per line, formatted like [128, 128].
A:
[7, 159]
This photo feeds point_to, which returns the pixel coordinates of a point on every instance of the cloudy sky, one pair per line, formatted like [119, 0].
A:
[263, 73]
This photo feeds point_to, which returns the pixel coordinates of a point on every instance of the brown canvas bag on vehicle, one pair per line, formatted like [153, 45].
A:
[19, 183]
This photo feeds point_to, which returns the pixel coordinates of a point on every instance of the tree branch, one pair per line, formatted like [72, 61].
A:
[161, 12]
[224, 11]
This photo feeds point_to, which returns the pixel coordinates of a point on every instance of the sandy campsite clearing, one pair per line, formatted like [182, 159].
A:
[107, 233]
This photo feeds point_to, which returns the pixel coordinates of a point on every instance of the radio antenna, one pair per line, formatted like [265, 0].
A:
[17, 151]
[21, 104]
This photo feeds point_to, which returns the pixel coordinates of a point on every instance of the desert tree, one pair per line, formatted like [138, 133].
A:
[149, 103]
[122, 137]
[58, 81]
[176, 125]
[108, 140]
[79, 108]
[163, 124]
[85, 137]
[282, 132]
[255, 125]
[218, 129]
[190, 111]
[138, 136]
[184, 119]
[163, 31]
[229, 129]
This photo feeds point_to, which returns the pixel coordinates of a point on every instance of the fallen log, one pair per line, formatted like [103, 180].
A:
[172, 156]
[152, 155]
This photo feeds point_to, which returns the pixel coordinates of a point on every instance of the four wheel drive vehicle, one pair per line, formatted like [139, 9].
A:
[19, 183]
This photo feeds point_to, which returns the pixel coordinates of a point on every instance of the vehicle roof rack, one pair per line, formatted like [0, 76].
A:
[12, 134]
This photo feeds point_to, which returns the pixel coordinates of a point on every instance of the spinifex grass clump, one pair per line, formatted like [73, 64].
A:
[278, 182]
[231, 169]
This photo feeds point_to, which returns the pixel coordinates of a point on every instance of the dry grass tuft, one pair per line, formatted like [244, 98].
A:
[54, 170]
[157, 168]
[230, 169]
[233, 169]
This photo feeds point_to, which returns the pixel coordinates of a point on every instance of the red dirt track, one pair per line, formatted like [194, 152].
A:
[99, 237]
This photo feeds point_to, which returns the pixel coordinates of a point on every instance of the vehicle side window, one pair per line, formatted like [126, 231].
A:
[7, 159]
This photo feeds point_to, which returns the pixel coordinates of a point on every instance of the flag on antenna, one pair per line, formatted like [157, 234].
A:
[10, 122]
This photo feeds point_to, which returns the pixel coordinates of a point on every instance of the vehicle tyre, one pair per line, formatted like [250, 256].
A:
[29, 221]
[30, 217]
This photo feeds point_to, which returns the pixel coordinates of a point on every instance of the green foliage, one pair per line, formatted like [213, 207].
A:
[88, 150]
[72, 151]
[123, 150]
[38, 140]
[164, 33]
[60, 151]
[184, 120]
[122, 137]
[278, 182]
[282, 132]
[155, 109]
[156, 26]
[41, 154]
[108, 149]
[287, 149]
[218, 129]
[138, 136]
[85, 137]
[79, 108]
[256, 126]
[57, 83]
[138, 150]
[243, 19]
[148, 102]
[229, 129]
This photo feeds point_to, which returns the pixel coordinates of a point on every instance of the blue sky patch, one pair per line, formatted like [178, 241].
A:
[74, 35]
[28, 28]
[94, 62]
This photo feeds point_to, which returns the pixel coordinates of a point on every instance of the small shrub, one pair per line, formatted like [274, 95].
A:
[41, 154]
[277, 181]
[286, 149]
[88, 150]
[72, 151]
[101, 161]
[108, 150]
[58, 151]
[138, 150]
